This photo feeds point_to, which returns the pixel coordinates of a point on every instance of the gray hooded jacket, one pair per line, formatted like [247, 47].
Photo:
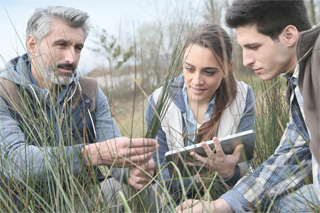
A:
[50, 134]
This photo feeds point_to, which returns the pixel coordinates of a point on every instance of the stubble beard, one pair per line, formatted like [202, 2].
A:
[53, 75]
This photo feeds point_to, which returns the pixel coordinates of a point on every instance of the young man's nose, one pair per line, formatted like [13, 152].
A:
[247, 59]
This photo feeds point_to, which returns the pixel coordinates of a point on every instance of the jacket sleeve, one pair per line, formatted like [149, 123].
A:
[286, 168]
[248, 118]
[247, 123]
[21, 160]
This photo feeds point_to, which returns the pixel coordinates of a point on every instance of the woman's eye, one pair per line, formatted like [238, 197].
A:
[188, 68]
[209, 72]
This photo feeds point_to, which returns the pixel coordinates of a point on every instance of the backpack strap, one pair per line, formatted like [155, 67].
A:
[11, 93]
[89, 87]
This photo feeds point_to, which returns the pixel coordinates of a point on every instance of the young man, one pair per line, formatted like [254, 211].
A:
[53, 121]
[277, 37]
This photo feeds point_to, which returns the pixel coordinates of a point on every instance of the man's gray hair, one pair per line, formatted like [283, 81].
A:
[40, 22]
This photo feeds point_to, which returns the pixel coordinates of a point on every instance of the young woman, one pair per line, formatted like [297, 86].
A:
[206, 101]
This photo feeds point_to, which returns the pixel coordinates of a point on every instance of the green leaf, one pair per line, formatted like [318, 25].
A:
[124, 202]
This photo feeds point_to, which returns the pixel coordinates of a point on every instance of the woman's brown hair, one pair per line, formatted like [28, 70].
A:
[212, 36]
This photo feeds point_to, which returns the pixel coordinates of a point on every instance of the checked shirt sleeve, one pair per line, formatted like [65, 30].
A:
[286, 169]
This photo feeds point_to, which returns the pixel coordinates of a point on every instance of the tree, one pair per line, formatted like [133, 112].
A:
[212, 11]
[312, 13]
[108, 46]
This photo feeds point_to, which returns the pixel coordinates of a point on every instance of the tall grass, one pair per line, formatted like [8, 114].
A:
[272, 114]
[57, 189]
[41, 180]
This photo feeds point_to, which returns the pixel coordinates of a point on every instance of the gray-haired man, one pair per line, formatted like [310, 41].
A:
[57, 124]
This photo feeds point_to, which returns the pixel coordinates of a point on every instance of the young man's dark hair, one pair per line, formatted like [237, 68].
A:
[270, 17]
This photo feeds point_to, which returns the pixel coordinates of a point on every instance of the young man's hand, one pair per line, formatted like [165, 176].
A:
[195, 206]
[138, 177]
[119, 152]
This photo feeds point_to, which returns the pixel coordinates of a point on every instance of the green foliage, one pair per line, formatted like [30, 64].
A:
[124, 202]
[59, 190]
[53, 187]
[271, 118]
[108, 46]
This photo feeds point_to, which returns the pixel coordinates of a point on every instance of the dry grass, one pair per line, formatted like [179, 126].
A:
[129, 118]
[271, 114]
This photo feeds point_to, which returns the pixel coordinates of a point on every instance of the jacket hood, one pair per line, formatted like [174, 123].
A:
[16, 70]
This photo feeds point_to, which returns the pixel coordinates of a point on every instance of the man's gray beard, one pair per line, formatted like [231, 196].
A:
[51, 75]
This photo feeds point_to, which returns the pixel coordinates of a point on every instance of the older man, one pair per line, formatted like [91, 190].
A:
[56, 126]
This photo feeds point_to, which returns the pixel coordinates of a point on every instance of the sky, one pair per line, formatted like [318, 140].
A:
[112, 15]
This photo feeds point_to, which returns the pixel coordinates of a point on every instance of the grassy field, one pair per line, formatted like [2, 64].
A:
[271, 117]
[70, 193]
[271, 114]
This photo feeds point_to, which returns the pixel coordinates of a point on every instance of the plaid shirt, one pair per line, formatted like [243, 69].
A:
[287, 169]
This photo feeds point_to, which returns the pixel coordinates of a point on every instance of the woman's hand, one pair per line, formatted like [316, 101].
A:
[218, 161]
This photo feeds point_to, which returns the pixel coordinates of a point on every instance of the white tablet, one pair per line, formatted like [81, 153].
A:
[228, 143]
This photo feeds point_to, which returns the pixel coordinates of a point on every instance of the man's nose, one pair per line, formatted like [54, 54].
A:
[69, 56]
[247, 59]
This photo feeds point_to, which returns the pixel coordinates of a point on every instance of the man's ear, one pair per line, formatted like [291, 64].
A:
[32, 45]
[290, 35]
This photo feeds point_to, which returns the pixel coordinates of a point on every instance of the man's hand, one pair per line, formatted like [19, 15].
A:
[218, 161]
[195, 206]
[119, 152]
[138, 177]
